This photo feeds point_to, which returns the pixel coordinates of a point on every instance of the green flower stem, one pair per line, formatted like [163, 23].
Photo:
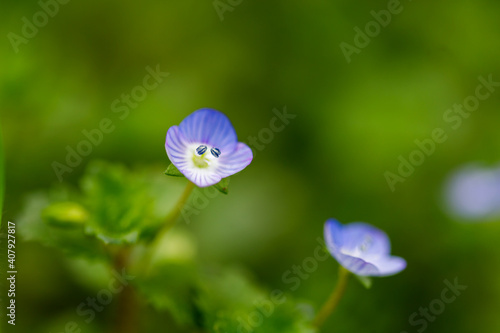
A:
[172, 218]
[176, 212]
[169, 224]
[334, 299]
[127, 318]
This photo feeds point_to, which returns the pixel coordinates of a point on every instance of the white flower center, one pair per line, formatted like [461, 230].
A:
[204, 157]
[200, 161]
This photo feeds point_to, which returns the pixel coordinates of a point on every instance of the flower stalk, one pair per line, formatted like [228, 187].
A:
[176, 212]
[169, 224]
[334, 299]
[127, 319]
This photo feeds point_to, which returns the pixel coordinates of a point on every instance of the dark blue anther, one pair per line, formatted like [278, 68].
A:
[201, 149]
[215, 152]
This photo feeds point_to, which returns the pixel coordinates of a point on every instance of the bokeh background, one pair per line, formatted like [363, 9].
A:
[353, 121]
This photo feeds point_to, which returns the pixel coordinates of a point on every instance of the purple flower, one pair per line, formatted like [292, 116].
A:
[205, 149]
[473, 193]
[362, 249]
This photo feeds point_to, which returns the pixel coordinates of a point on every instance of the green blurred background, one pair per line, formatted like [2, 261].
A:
[353, 121]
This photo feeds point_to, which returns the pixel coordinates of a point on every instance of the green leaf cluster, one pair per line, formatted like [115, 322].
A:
[115, 209]
[111, 206]
[220, 300]
[235, 303]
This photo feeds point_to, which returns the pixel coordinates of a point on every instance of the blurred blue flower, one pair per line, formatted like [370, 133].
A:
[205, 149]
[362, 249]
[473, 193]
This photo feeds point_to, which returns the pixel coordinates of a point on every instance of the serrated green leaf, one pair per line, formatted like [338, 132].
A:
[119, 201]
[71, 241]
[223, 185]
[173, 171]
[366, 281]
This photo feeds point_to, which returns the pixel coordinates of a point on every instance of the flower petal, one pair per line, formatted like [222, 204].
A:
[179, 153]
[209, 127]
[362, 249]
[201, 177]
[374, 240]
[390, 265]
[236, 161]
[176, 148]
[333, 235]
[334, 238]
[356, 265]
